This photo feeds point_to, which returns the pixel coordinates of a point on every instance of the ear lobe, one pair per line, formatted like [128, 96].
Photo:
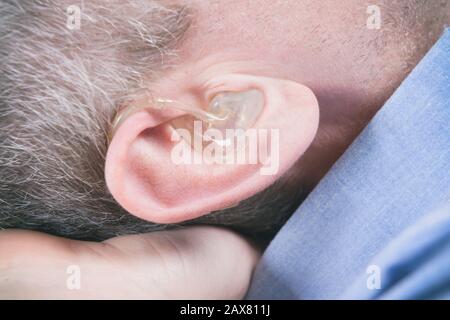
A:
[143, 178]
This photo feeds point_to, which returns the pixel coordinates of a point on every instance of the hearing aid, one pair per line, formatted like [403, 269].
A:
[226, 110]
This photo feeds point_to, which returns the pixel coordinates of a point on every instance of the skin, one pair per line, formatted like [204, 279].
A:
[293, 62]
[325, 52]
[181, 264]
[325, 46]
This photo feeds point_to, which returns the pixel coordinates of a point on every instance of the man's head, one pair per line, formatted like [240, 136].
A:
[60, 89]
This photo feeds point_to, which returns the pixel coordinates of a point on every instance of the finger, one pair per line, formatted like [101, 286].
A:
[192, 263]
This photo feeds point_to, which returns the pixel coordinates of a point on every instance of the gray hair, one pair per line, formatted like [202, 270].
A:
[58, 91]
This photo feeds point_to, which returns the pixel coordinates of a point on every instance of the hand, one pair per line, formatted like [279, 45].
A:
[191, 263]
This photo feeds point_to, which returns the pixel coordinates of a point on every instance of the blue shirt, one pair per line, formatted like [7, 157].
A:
[378, 224]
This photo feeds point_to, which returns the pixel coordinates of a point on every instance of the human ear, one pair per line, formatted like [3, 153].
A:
[148, 181]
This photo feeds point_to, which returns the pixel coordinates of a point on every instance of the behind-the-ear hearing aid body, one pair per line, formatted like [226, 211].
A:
[227, 110]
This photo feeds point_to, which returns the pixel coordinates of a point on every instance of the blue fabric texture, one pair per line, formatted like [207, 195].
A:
[383, 205]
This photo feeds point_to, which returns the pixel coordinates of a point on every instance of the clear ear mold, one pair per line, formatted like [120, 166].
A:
[227, 110]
